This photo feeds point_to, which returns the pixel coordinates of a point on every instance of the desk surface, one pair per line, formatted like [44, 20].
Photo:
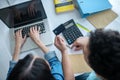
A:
[56, 19]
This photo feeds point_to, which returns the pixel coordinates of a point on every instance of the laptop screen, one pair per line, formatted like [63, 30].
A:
[23, 14]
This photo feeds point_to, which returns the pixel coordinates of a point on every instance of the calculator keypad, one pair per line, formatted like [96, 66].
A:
[71, 34]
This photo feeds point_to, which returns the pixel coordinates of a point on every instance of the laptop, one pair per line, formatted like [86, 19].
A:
[23, 16]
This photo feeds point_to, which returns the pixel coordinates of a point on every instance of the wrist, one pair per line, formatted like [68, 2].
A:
[64, 52]
[16, 54]
[17, 49]
[43, 47]
[37, 41]
[17, 46]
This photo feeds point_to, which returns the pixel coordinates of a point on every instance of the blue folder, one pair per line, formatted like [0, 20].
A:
[88, 7]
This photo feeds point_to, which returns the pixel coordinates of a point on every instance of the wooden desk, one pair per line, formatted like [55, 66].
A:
[78, 63]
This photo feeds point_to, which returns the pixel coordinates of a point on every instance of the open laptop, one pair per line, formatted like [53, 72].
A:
[23, 16]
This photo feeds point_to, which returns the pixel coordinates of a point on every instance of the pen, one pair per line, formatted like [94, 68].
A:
[82, 27]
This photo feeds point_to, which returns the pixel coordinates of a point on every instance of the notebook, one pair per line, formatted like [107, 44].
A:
[88, 7]
[63, 5]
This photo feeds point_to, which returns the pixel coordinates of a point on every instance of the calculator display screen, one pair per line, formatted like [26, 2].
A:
[69, 25]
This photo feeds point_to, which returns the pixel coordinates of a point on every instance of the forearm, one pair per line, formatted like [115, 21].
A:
[67, 68]
[42, 47]
[16, 53]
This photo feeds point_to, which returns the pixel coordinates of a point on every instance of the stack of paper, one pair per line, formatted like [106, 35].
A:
[88, 7]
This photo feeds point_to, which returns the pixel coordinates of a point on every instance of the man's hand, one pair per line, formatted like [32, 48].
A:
[79, 43]
[19, 41]
[60, 44]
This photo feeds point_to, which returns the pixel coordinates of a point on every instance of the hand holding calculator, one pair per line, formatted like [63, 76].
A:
[69, 30]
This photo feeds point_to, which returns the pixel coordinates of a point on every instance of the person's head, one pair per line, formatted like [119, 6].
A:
[31, 68]
[102, 53]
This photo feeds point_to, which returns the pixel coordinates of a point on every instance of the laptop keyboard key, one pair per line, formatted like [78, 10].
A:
[26, 30]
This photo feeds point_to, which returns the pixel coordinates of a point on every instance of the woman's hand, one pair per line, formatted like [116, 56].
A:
[19, 40]
[34, 34]
[66, 64]
[60, 44]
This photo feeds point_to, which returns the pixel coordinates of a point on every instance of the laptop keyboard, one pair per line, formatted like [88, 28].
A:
[26, 30]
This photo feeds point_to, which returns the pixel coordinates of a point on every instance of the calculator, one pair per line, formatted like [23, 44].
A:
[69, 30]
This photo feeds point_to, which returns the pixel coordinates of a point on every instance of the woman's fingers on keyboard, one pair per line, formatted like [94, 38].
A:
[20, 32]
[35, 27]
[38, 28]
[30, 29]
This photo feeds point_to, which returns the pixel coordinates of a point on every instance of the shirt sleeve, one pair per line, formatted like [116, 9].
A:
[93, 76]
[56, 66]
[12, 65]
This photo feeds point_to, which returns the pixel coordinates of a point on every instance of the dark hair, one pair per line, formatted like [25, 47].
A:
[104, 55]
[38, 71]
